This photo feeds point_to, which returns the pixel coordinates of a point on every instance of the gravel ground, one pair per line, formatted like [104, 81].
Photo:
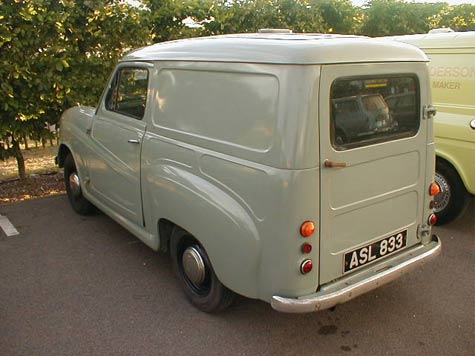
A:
[35, 186]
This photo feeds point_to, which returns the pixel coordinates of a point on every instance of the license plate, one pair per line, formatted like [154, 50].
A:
[379, 249]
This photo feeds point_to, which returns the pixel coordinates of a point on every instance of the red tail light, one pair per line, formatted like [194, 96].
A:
[432, 219]
[306, 266]
[306, 248]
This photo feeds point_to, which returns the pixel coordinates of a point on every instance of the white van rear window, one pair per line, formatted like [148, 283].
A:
[368, 110]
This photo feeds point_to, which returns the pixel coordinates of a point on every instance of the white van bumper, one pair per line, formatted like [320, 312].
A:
[359, 283]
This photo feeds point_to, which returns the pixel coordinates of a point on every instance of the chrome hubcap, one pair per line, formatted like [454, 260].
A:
[74, 184]
[443, 198]
[193, 265]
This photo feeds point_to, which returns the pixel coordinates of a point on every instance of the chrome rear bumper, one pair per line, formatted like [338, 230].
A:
[355, 285]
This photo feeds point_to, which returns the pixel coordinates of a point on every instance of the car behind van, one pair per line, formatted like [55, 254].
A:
[452, 73]
[227, 152]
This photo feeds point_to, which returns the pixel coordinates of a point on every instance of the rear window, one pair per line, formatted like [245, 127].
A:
[369, 110]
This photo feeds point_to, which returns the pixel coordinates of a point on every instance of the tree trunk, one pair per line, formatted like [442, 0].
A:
[19, 158]
[25, 141]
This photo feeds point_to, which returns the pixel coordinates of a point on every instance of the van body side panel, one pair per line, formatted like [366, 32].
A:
[214, 216]
[246, 214]
[381, 192]
[452, 72]
[254, 112]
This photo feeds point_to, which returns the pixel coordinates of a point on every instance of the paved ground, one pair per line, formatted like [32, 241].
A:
[75, 286]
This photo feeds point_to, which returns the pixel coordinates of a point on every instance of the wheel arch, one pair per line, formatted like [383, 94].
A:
[215, 219]
[63, 152]
[454, 165]
[165, 231]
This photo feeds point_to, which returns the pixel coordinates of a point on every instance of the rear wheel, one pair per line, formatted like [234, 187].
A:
[193, 268]
[452, 199]
[73, 188]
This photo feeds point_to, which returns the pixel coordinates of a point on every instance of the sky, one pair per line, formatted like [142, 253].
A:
[451, 2]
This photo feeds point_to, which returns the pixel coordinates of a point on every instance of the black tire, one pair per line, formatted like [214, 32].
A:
[80, 204]
[210, 295]
[452, 200]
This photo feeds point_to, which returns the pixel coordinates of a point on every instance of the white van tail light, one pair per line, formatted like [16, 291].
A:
[306, 248]
[432, 219]
[306, 266]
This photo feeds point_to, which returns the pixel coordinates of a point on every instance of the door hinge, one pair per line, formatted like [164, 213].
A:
[429, 111]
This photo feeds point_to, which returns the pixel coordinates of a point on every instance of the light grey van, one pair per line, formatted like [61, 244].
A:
[226, 152]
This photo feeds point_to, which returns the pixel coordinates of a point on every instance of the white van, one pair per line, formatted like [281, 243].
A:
[452, 73]
[268, 165]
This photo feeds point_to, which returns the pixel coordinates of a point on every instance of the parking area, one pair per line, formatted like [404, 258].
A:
[72, 285]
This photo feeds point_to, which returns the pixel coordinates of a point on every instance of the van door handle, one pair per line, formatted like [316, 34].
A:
[133, 141]
[329, 164]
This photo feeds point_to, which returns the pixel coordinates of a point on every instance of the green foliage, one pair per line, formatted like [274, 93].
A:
[215, 17]
[396, 17]
[250, 16]
[54, 54]
[458, 18]
[340, 16]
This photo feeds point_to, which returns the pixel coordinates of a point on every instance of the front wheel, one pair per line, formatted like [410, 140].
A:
[73, 188]
[452, 199]
[193, 268]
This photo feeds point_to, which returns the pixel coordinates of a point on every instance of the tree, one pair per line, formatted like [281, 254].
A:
[29, 67]
[241, 16]
[458, 18]
[55, 54]
[396, 17]
[340, 16]
[250, 16]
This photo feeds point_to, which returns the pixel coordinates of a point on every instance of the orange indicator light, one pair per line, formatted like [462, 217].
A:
[307, 229]
[434, 189]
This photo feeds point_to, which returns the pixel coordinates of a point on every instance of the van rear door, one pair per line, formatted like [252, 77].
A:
[373, 171]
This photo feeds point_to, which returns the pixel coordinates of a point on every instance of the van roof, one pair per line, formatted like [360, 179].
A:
[280, 48]
[440, 40]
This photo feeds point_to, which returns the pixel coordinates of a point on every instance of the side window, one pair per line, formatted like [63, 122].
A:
[370, 110]
[128, 92]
